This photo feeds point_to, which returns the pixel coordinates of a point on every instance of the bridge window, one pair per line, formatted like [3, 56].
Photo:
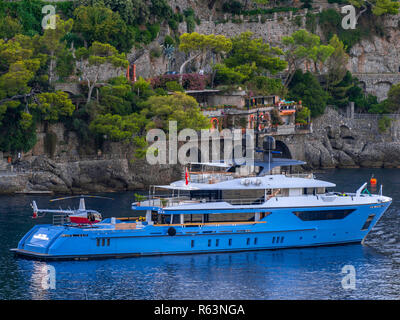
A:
[323, 214]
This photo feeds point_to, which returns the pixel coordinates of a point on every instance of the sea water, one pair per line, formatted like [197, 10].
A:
[369, 271]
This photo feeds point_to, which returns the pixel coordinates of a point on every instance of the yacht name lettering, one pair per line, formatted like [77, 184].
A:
[166, 310]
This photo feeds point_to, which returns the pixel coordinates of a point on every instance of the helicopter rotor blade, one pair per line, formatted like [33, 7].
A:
[81, 196]
[99, 197]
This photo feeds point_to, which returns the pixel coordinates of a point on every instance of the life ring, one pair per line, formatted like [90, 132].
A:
[171, 231]
[213, 122]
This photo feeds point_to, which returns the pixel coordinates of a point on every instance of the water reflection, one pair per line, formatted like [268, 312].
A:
[312, 273]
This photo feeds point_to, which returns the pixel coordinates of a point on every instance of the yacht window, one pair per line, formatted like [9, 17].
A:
[206, 194]
[193, 218]
[176, 219]
[163, 219]
[283, 193]
[231, 217]
[249, 196]
[309, 191]
[320, 190]
[295, 192]
[323, 214]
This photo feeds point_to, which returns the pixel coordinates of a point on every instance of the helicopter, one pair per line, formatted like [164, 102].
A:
[79, 216]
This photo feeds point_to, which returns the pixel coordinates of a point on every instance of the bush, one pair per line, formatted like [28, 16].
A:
[173, 86]
[155, 52]
[173, 24]
[384, 123]
[169, 41]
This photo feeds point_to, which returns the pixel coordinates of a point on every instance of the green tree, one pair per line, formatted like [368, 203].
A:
[196, 45]
[337, 62]
[116, 98]
[262, 85]
[303, 46]
[306, 88]
[18, 67]
[179, 107]
[247, 51]
[101, 24]
[53, 105]
[98, 59]
[118, 128]
[393, 99]
[303, 115]
[9, 27]
[378, 7]
[51, 41]
[226, 75]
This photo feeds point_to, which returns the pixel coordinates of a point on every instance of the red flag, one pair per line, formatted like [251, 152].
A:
[186, 176]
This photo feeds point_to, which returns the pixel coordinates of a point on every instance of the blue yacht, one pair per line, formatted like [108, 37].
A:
[220, 208]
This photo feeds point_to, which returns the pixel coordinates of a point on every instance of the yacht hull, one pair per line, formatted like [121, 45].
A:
[280, 228]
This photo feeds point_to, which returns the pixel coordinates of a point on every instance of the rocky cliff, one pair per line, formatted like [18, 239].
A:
[339, 141]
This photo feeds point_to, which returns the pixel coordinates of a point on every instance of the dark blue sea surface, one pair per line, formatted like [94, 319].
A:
[307, 273]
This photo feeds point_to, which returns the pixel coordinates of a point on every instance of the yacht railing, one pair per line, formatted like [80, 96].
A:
[60, 219]
[215, 176]
[211, 177]
[300, 175]
[169, 201]
[176, 200]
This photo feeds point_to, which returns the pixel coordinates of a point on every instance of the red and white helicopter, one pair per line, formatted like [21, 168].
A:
[79, 216]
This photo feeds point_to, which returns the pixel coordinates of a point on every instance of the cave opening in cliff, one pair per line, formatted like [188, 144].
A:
[283, 150]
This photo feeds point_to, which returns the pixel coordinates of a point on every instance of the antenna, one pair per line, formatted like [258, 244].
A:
[82, 204]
